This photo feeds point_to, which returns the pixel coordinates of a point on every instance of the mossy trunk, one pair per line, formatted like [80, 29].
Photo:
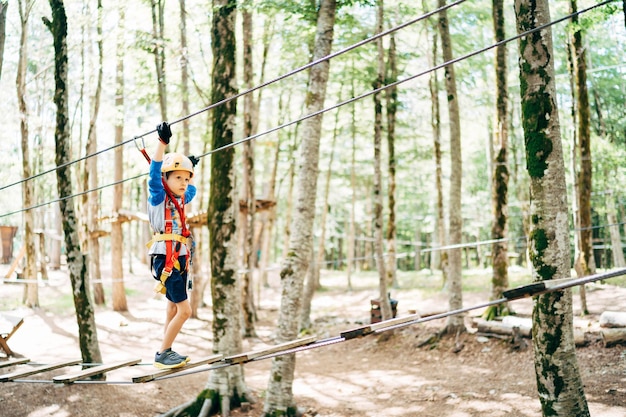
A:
[279, 399]
[558, 379]
[392, 107]
[77, 265]
[500, 177]
[224, 208]
[455, 229]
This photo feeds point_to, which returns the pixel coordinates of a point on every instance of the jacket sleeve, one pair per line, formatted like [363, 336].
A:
[190, 193]
[155, 185]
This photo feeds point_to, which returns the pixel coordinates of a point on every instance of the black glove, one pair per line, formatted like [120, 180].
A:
[165, 133]
[194, 160]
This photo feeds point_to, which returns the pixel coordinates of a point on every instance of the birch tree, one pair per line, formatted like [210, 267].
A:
[77, 264]
[279, 398]
[455, 228]
[4, 6]
[558, 379]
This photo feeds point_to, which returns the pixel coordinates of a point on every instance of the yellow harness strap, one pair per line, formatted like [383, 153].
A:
[160, 237]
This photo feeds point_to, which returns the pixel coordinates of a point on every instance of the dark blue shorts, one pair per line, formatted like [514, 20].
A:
[176, 284]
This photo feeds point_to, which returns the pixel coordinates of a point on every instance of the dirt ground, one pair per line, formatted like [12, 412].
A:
[361, 377]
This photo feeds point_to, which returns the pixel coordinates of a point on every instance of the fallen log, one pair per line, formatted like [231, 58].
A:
[613, 336]
[611, 319]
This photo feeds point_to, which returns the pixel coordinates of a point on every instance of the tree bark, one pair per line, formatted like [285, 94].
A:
[79, 276]
[558, 379]
[4, 6]
[248, 217]
[228, 383]
[31, 296]
[90, 179]
[392, 107]
[385, 306]
[117, 238]
[455, 229]
[584, 261]
[279, 400]
[158, 27]
[500, 177]
[439, 258]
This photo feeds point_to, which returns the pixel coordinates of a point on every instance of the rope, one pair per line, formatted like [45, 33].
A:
[248, 91]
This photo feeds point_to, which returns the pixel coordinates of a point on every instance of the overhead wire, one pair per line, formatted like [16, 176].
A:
[327, 109]
[248, 91]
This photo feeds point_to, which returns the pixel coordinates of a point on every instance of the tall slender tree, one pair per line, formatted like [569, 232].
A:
[226, 387]
[584, 263]
[117, 240]
[455, 229]
[558, 379]
[158, 51]
[4, 6]
[77, 264]
[500, 176]
[32, 288]
[385, 306]
[392, 109]
[279, 399]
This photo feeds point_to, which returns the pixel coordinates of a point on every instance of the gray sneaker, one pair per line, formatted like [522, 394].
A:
[168, 359]
[185, 358]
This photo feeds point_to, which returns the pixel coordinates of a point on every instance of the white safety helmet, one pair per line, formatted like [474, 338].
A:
[176, 162]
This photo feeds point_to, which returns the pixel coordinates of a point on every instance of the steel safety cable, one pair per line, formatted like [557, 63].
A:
[248, 91]
[364, 95]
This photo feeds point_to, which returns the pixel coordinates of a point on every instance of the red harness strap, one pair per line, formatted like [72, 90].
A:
[173, 248]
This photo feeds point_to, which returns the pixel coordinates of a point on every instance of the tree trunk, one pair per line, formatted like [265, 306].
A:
[455, 229]
[500, 177]
[313, 275]
[392, 107]
[439, 259]
[79, 277]
[385, 306]
[247, 223]
[279, 399]
[585, 260]
[90, 200]
[616, 238]
[184, 75]
[31, 298]
[4, 6]
[558, 379]
[158, 27]
[117, 238]
[352, 246]
[227, 384]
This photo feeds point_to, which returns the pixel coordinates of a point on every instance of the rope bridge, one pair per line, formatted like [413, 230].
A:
[214, 362]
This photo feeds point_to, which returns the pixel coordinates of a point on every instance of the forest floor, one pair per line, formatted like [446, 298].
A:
[371, 376]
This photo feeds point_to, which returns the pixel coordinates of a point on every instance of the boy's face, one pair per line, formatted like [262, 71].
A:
[178, 182]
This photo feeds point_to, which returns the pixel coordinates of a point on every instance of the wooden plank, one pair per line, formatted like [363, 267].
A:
[69, 378]
[37, 370]
[12, 362]
[16, 261]
[393, 322]
[357, 332]
[193, 364]
[245, 357]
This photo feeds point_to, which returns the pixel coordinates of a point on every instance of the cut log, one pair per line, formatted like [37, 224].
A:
[613, 319]
[612, 337]
[506, 326]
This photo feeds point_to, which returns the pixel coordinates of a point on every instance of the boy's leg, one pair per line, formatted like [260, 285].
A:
[182, 311]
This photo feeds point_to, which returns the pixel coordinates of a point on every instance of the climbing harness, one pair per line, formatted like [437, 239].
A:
[173, 242]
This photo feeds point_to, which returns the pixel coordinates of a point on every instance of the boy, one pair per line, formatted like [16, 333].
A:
[170, 188]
